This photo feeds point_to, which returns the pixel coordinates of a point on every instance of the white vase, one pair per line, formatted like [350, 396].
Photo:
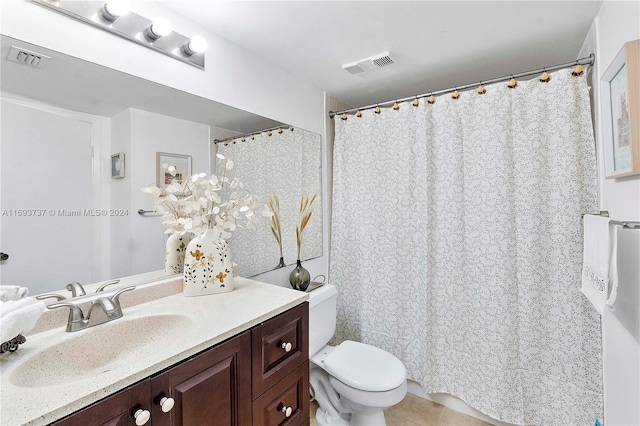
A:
[174, 255]
[208, 268]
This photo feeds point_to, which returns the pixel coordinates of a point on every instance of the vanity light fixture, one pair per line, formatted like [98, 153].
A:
[116, 17]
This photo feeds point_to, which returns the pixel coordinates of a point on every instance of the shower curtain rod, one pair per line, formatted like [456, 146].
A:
[589, 60]
[230, 138]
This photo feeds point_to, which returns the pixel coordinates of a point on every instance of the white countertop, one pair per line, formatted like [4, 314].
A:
[168, 330]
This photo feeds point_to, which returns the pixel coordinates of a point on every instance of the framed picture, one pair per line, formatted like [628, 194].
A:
[117, 166]
[621, 113]
[170, 167]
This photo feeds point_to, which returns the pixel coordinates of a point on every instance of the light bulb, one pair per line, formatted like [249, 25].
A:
[195, 45]
[113, 9]
[161, 27]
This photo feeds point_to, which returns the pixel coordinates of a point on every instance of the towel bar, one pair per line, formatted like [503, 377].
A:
[625, 224]
[143, 212]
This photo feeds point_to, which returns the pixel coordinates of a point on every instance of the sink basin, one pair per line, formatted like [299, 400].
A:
[99, 349]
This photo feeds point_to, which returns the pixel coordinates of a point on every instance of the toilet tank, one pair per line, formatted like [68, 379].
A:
[322, 317]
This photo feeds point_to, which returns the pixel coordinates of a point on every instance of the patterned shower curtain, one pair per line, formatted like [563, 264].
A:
[457, 246]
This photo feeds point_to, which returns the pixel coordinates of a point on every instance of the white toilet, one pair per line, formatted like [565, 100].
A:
[352, 382]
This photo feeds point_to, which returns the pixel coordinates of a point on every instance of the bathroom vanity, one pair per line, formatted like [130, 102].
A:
[237, 358]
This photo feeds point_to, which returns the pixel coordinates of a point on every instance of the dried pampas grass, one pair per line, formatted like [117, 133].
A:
[306, 204]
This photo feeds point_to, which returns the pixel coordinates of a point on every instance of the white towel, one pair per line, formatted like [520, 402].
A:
[19, 317]
[599, 262]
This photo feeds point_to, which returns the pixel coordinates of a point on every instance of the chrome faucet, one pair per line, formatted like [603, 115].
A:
[104, 308]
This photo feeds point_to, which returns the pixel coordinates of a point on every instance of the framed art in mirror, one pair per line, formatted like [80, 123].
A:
[117, 166]
[165, 161]
[621, 113]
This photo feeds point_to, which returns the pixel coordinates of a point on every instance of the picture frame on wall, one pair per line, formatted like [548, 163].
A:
[620, 90]
[117, 165]
[165, 161]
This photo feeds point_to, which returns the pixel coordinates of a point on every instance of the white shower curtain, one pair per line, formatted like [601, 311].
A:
[456, 245]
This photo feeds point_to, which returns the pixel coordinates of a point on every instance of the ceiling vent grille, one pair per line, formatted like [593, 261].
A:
[27, 57]
[377, 61]
[383, 61]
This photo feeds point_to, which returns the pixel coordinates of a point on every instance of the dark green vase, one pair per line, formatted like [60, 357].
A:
[299, 277]
[281, 264]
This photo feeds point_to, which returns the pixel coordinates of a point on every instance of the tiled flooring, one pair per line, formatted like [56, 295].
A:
[413, 410]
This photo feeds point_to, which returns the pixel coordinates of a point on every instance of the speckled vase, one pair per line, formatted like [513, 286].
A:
[208, 268]
[176, 247]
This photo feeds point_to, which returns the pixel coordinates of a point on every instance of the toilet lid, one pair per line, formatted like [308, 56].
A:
[365, 367]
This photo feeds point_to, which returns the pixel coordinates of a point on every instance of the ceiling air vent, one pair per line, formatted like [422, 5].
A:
[27, 57]
[368, 64]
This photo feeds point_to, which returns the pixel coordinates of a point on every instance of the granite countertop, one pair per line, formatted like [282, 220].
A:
[49, 378]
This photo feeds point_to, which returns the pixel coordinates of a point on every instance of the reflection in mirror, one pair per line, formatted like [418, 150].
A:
[63, 217]
[286, 164]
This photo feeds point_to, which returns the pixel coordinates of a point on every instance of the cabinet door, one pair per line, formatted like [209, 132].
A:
[279, 346]
[212, 388]
[116, 410]
[287, 403]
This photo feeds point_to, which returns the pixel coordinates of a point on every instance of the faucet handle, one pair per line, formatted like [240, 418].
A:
[58, 297]
[76, 289]
[75, 313]
[101, 288]
[116, 297]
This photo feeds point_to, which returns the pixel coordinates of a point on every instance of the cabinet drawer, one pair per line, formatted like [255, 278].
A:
[292, 392]
[270, 341]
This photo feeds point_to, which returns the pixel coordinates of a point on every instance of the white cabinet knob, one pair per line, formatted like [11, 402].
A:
[286, 410]
[166, 404]
[286, 346]
[142, 416]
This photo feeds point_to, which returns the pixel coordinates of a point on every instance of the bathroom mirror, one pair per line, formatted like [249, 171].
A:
[67, 216]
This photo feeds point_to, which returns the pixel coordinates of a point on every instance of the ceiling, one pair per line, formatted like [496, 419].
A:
[436, 44]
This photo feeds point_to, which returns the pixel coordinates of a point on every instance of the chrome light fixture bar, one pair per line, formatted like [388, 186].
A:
[115, 17]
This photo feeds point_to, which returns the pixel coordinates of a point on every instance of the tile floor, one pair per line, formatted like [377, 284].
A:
[416, 411]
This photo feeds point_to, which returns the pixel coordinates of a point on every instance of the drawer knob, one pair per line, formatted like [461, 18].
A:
[287, 347]
[141, 416]
[286, 410]
[166, 404]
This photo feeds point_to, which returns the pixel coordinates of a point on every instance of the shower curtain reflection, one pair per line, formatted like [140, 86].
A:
[289, 165]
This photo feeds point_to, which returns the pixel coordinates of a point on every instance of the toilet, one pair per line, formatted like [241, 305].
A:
[353, 382]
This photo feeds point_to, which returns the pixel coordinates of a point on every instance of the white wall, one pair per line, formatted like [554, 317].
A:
[617, 23]
[139, 240]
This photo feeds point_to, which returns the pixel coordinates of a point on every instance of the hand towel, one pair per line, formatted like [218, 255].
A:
[20, 317]
[596, 265]
[12, 305]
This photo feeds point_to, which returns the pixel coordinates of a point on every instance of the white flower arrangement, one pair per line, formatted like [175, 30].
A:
[195, 205]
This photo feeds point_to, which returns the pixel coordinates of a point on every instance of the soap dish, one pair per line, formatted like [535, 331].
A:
[313, 285]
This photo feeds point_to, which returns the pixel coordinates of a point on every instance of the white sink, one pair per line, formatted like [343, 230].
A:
[96, 350]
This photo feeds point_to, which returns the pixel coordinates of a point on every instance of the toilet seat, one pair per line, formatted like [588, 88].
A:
[365, 367]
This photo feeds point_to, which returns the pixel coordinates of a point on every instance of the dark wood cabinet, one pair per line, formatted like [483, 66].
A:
[212, 388]
[258, 377]
[280, 369]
